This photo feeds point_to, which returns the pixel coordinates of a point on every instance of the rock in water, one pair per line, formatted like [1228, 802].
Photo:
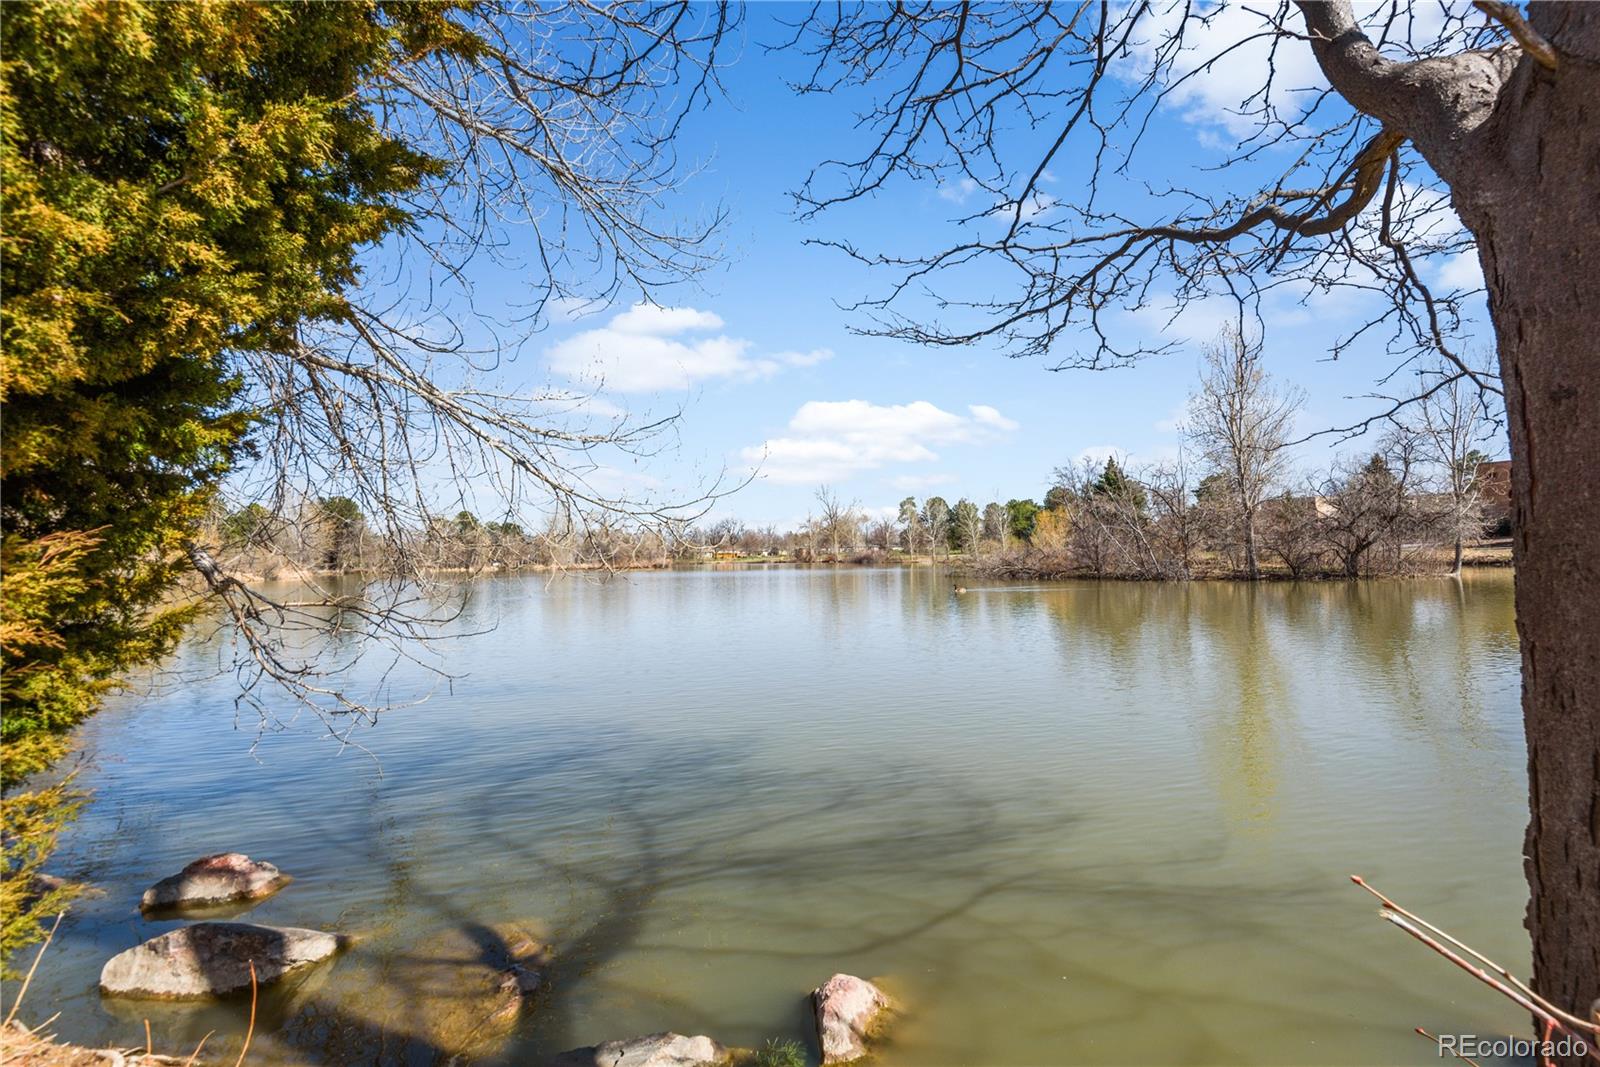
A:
[453, 997]
[219, 879]
[848, 1013]
[212, 959]
[656, 1050]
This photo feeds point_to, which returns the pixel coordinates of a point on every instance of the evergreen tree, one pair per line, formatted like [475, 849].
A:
[183, 184]
[1116, 485]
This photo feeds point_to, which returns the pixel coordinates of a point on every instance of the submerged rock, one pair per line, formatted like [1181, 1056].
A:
[849, 1013]
[453, 997]
[654, 1050]
[213, 959]
[220, 879]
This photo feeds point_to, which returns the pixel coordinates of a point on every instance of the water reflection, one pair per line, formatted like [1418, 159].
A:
[1087, 822]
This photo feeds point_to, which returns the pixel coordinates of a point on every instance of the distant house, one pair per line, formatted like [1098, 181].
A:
[1494, 489]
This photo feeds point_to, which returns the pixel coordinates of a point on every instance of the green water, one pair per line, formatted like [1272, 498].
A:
[1079, 823]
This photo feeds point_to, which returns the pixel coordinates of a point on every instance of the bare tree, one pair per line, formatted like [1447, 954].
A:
[1180, 523]
[936, 520]
[554, 135]
[1291, 532]
[1454, 429]
[1366, 506]
[839, 524]
[1485, 109]
[996, 524]
[1241, 420]
[1109, 529]
[912, 524]
[880, 535]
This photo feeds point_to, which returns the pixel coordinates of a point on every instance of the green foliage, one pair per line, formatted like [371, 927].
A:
[182, 186]
[47, 684]
[1213, 489]
[1113, 484]
[1022, 514]
[29, 823]
[784, 1052]
[250, 526]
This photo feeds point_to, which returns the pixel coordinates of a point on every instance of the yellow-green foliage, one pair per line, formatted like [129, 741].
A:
[183, 185]
[36, 579]
[29, 823]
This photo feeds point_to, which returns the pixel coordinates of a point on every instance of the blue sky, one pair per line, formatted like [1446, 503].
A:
[760, 357]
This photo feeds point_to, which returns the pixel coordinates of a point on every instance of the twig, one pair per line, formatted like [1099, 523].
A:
[196, 1053]
[1546, 1008]
[1440, 1045]
[1525, 35]
[15, 1004]
[252, 1029]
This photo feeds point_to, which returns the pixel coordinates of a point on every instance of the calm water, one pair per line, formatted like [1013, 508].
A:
[1083, 823]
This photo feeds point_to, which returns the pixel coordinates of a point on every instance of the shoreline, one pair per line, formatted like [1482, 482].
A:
[1495, 557]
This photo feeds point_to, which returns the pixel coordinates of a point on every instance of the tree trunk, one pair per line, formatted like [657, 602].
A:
[1456, 567]
[1534, 214]
[1251, 568]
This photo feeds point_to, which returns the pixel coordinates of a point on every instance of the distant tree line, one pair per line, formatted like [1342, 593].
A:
[1230, 505]
[331, 535]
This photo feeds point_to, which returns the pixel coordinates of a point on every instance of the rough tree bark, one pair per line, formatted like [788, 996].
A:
[1518, 141]
[1536, 215]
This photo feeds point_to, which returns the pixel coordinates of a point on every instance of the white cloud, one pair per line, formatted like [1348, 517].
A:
[831, 440]
[1213, 96]
[988, 416]
[1237, 42]
[804, 359]
[1194, 322]
[1461, 271]
[652, 320]
[643, 349]
[958, 192]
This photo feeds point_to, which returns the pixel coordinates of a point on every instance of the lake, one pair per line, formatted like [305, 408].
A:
[1078, 823]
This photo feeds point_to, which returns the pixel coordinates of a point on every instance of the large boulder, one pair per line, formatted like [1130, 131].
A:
[210, 880]
[850, 1012]
[654, 1050]
[213, 959]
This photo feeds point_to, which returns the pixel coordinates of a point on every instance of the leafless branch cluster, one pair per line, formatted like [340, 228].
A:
[556, 139]
[1042, 113]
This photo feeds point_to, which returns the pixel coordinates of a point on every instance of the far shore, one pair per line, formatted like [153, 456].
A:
[1431, 561]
